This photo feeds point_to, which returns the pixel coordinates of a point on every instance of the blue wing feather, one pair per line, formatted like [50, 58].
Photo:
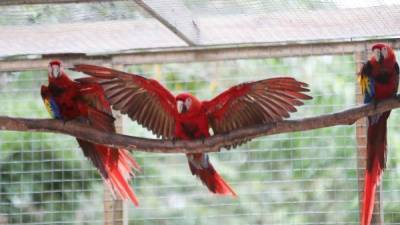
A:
[55, 109]
[367, 83]
[52, 108]
[370, 93]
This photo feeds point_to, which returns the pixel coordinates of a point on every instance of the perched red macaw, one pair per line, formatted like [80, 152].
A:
[379, 79]
[83, 100]
[185, 117]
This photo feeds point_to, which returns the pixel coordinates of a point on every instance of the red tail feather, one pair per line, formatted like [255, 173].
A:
[212, 180]
[372, 179]
[115, 167]
[119, 173]
[376, 157]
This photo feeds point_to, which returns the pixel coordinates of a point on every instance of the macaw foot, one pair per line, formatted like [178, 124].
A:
[65, 121]
[375, 104]
[174, 139]
[202, 138]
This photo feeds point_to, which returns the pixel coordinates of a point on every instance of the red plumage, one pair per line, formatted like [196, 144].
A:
[185, 117]
[83, 100]
[208, 175]
[193, 124]
[379, 80]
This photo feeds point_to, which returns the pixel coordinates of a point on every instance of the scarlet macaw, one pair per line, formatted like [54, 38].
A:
[185, 117]
[379, 79]
[83, 100]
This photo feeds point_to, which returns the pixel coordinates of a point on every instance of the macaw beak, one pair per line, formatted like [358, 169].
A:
[381, 57]
[179, 106]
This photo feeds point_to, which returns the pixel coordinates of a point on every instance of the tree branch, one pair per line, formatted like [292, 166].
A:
[212, 144]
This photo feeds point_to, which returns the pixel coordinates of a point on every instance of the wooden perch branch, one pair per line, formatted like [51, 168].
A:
[212, 144]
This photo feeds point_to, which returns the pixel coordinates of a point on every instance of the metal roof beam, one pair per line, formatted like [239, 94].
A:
[175, 16]
[197, 54]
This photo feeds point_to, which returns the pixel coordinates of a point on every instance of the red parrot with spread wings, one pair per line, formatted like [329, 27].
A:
[185, 117]
[84, 100]
[379, 79]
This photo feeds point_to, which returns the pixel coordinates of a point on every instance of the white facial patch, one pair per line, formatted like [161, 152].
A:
[377, 54]
[179, 106]
[188, 103]
[384, 52]
[55, 70]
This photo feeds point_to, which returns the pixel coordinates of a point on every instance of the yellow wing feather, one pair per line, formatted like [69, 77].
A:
[48, 107]
[364, 84]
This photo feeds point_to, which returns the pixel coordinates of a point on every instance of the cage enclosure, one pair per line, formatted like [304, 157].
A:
[202, 47]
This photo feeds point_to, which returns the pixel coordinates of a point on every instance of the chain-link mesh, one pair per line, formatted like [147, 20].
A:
[44, 178]
[299, 178]
[296, 178]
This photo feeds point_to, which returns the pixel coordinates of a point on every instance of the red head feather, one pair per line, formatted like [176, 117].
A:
[382, 52]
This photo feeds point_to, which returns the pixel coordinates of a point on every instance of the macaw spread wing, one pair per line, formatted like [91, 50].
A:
[144, 100]
[255, 103]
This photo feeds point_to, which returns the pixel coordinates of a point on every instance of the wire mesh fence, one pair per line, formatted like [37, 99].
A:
[44, 179]
[296, 178]
[299, 178]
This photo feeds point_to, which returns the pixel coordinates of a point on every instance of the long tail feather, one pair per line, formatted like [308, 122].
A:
[115, 167]
[376, 157]
[209, 176]
[372, 179]
[120, 172]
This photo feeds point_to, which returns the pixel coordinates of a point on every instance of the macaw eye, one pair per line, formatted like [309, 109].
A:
[188, 103]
